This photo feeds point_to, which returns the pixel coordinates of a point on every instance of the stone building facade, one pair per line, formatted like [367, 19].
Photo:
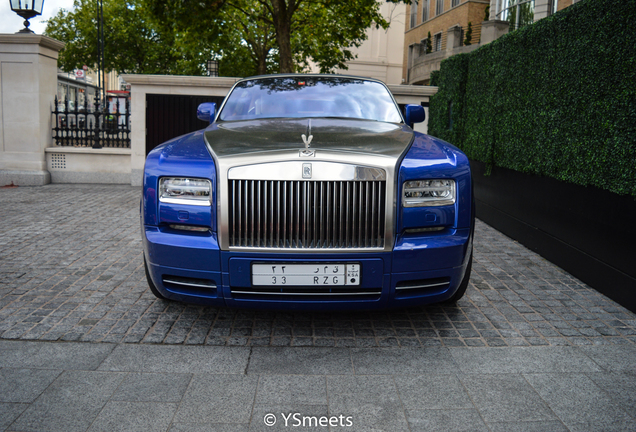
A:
[379, 56]
[447, 22]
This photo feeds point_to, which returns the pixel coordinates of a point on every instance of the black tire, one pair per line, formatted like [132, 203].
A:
[464, 284]
[151, 285]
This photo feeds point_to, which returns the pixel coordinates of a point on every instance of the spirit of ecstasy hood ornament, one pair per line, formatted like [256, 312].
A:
[306, 140]
[307, 152]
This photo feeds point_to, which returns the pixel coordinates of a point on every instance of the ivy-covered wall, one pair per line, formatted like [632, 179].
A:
[556, 98]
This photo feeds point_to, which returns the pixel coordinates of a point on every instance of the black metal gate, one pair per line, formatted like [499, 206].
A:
[106, 126]
[169, 116]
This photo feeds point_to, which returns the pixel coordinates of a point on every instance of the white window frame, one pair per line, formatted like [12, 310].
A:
[439, 7]
[437, 42]
[505, 6]
[554, 6]
[425, 10]
[413, 17]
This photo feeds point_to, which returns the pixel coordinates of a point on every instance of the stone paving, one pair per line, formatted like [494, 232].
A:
[74, 386]
[71, 269]
[85, 346]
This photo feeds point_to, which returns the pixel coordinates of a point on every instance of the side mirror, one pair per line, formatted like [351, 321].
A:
[206, 112]
[414, 114]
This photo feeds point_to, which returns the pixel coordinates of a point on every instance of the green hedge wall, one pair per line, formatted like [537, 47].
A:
[556, 98]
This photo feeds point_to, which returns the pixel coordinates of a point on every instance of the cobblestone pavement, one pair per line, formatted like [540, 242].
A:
[71, 269]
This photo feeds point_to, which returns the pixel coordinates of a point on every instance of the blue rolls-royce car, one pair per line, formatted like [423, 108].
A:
[308, 192]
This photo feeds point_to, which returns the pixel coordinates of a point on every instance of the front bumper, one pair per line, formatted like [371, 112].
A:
[420, 270]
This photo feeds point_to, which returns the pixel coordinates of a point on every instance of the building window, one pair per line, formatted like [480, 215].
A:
[437, 42]
[554, 6]
[439, 7]
[424, 10]
[413, 14]
[518, 13]
[454, 3]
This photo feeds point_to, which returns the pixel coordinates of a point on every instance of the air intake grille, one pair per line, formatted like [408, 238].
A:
[307, 214]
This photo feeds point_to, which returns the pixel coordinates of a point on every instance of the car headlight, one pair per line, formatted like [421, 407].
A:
[422, 193]
[180, 190]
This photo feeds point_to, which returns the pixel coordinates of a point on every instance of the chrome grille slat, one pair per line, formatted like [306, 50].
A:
[327, 214]
[339, 241]
[380, 225]
[252, 207]
[236, 214]
[347, 209]
[366, 218]
[284, 214]
[297, 214]
[322, 214]
[243, 211]
[354, 211]
[306, 204]
[372, 213]
[271, 214]
[362, 233]
[314, 215]
[274, 225]
[258, 212]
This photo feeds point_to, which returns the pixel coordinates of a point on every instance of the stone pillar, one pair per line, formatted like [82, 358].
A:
[491, 30]
[409, 61]
[492, 13]
[453, 38]
[138, 130]
[542, 9]
[28, 84]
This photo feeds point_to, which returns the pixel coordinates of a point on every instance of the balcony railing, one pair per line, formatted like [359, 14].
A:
[450, 42]
[475, 37]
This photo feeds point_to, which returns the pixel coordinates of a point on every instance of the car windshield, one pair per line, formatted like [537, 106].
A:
[299, 97]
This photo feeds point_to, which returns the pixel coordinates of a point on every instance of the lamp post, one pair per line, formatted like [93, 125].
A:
[100, 98]
[21, 7]
[101, 67]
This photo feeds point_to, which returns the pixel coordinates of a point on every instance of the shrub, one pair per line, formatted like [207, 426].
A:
[469, 34]
[549, 99]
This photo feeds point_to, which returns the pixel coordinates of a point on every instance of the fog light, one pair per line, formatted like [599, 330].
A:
[189, 228]
[421, 230]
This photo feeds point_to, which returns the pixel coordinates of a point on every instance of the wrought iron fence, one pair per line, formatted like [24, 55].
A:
[76, 126]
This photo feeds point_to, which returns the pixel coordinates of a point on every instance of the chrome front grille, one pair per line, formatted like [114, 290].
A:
[291, 214]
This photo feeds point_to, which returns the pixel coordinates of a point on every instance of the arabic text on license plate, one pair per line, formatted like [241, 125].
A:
[305, 274]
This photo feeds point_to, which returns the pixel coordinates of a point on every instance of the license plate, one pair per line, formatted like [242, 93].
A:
[305, 274]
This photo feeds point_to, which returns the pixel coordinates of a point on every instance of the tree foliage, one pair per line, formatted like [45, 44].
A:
[134, 42]
[295, 31]
[326, 30]
[247, 36]
[245, 46]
